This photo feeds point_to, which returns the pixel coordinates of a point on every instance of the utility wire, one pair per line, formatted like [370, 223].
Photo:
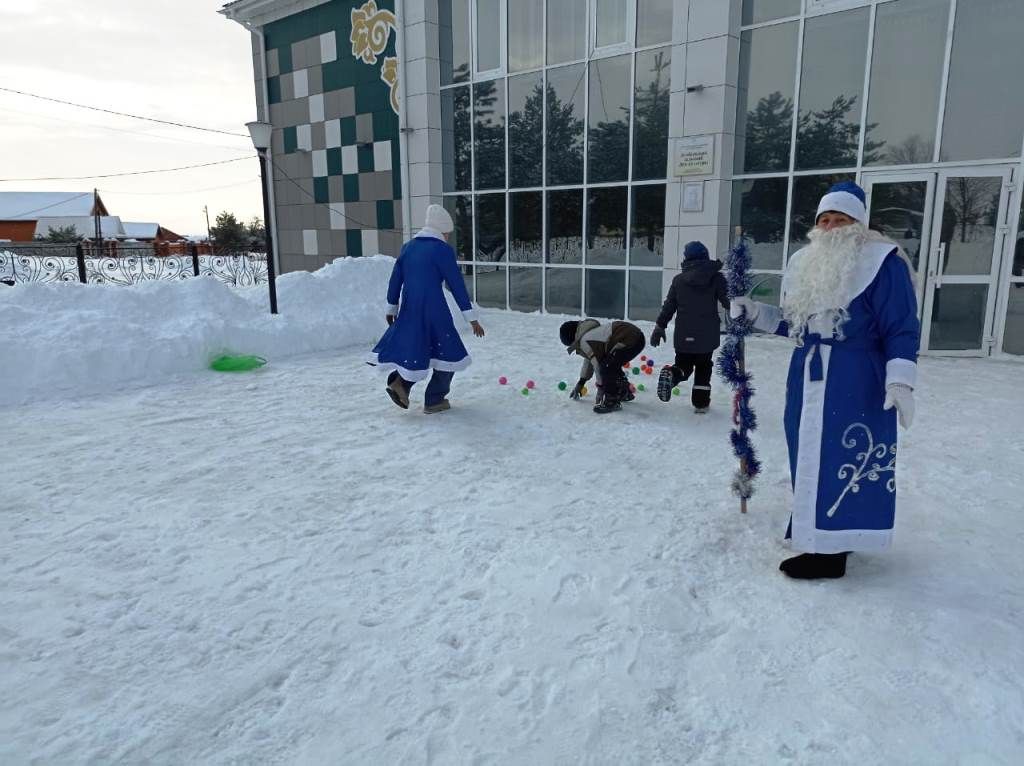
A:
[121, 114]
[253, 180]
[129, 173]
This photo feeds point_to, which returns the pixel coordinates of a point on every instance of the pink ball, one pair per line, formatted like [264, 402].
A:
[502, 380]
[530, 384]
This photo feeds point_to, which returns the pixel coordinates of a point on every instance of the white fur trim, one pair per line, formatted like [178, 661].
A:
[843, 202]
[901, 371]
[414, 376]
[392, 309]
[872, 255]
[839, 540]
[432, 233]
[470, 316]
[808, 460]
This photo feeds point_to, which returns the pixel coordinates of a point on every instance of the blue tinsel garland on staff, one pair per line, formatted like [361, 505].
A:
[731, 367]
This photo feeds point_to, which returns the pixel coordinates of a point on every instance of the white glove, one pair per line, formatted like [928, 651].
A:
[900, 396]
[737, 307]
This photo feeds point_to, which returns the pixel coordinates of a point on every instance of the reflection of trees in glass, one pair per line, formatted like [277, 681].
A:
[490, 227]
[648, 229]
[461, 210]
[525, 227]
[489, 133]
[526, 131]
[828, 138]
[606, 226]
[913, 150]
[768, 130]
[969, 202]
[456, 149]
[759, 206]
[564, 137]
[651, 105]
[609, 119]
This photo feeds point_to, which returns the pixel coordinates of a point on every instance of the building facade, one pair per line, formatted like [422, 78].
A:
[580, 143]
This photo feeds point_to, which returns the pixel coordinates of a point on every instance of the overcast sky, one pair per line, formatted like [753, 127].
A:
[172, 59]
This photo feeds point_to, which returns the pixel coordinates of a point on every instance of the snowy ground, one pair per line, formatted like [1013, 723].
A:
[283, 567]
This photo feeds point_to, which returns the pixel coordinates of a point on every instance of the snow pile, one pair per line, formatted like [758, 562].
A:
[65, 339]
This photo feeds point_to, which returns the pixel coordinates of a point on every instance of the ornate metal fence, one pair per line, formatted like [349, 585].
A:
[42, 262]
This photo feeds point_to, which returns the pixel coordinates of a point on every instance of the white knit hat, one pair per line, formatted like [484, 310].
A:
[438, 219]
[844, 197]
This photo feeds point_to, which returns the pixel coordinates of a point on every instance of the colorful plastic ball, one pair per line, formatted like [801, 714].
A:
[502, 380]
[584, 391]
[562, 386]
[643, 358]
[641, 387]
[636, 370]
[675, 392]
[530, 384]
[633, 389]
[625, 365]
[648, 370]
[525, 392]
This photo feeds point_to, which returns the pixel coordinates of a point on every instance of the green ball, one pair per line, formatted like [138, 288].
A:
[641, 387]
[636, 370]
[675, 392]
[526, 392]
[562, 386]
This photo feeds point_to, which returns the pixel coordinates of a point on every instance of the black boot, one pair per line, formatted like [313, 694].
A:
[815, 566]
[608, 404]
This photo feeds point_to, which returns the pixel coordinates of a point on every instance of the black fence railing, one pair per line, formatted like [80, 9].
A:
[125, 265]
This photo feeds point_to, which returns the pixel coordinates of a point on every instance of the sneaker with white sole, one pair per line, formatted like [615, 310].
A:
[441, 406]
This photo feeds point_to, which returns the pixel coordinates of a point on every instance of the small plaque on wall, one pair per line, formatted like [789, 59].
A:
[695, 156]
[693, 197]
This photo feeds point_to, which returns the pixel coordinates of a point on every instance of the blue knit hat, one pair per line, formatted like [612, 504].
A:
[847, 198]
[695, 251]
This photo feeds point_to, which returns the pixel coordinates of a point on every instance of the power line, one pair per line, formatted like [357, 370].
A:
[121, 114]
[253, 180]
[129, 173]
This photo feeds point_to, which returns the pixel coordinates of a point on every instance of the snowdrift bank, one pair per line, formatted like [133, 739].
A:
[66, 339]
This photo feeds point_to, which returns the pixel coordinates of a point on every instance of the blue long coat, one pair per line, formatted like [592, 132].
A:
[842, 444]
[423, 335]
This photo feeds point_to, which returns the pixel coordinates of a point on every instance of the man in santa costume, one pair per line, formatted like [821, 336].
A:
[848, 302]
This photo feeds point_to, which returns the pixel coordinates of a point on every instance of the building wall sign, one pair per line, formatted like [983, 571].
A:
[695, 156]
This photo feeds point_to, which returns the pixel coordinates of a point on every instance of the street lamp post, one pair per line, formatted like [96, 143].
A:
[260, 133]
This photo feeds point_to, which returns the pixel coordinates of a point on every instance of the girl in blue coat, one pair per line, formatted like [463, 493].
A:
[421, 335]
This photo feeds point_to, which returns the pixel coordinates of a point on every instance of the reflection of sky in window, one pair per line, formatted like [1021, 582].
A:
[906, 77]
[767, 66]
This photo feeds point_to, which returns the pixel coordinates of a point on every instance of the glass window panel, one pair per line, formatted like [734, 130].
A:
[467, 276]
[490, 228]
[764, 104]
[609, 119]
[647, 247]
[611, 22]
[567, 30]
[525, 35]
[461, 210]
[755, 11]
[644, 294]
[453, 21]
[565, 226]
[766, 288]
[651, 105]
[831, 86]
[984, 109]
[606, 226]
[897, 211]
[489, 133]
[970, 213]
[759, 207]
[563, 291]
[526, 129]
[1013, 336]
[526, 236]
[910, 38]
[653, 22]
[606, 293]
[455, 139]
[524, 288]
[490, 286]
[958, 317]
[807, 193]
[565, 97]
[488, 35]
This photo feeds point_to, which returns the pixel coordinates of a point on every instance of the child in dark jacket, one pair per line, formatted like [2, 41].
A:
[694, 297]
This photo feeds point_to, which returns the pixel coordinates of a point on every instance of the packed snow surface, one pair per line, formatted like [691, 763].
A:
[283, 567]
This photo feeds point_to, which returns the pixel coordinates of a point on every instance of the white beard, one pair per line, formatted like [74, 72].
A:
[820, 281]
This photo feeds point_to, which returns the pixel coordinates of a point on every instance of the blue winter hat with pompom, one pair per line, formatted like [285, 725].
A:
[845, 197]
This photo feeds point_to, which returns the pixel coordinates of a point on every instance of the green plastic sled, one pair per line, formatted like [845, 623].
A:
[237, 363]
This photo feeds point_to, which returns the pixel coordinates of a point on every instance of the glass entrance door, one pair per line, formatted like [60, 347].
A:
[900, 207]
[969, 229]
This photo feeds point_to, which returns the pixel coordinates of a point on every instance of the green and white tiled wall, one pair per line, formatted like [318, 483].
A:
[335, 141]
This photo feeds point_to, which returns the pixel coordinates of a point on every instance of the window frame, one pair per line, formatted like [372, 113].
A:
[474, 41]
[628, 45]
